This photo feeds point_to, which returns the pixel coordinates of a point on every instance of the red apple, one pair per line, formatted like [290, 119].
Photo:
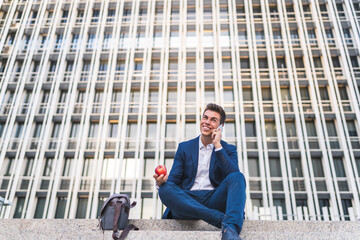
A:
[160, 170]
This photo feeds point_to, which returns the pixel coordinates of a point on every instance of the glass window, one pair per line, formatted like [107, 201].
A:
[98, 98]
[101, 202]
[226, 63]
[154, 96]
[250, 129]
[190, 130]
[281, 63]
[209, 64]
[48, 166]
[346, 203]
[29, 163]
[275, 167]
[357, 161]
[170, 130]
[190, 95]
[354, 61]
[88, 167]
[2, 127]
[19, 130]
[228, 95]
[40, 205]
[285, 94]
[253, 166]
[266, 94]
[108, 170]
[290, 129]
[93, 130]
[281, 203]
[37, 130]
[351, 128]
[86, 66]
[7, 167]
[304, 92]
[296, 168]
[230, 129]
[172, 95]
[317, 62]
[317, 167]
[120, 65]
[324, 93]
[209, 95]
[138, 66]
[336, 61]
[247, 94]
[62, 97]
[146, 208]
[343, 93]
[131, 130]
[242, 34]
[339, 167]
[299, 63]
[60, 207]
[103, 65]
[149, 166]
[294, 34]
[74, 130]
[45, 97]
[113, 129]
[331, 129]
[67, 167]
[81, 208]
[173, 64]
[151, 130]
[310, 128]
[263, 62]
[244, 63]
[270, 129]
[19, 207]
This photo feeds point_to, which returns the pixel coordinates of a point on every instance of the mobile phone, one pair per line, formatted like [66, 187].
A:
[221, 127]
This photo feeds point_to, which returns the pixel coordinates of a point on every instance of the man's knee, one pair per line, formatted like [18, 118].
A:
[236, 177]
[165, 190]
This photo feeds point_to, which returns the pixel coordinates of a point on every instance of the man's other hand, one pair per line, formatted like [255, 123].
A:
[160, 179]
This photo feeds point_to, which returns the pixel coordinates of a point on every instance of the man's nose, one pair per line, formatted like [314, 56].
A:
[207, 121]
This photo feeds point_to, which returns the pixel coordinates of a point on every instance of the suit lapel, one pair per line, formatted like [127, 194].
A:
[195, 154]
[212, 162]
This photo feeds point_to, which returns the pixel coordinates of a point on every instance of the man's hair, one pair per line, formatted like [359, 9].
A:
[216, 108]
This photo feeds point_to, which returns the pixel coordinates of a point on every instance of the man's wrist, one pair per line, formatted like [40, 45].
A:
[217, 146]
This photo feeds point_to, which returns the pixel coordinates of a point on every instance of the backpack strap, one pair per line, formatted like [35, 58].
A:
[126, 231]
[118, 206]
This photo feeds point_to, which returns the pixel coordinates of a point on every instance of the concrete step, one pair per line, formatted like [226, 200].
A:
[40, 229]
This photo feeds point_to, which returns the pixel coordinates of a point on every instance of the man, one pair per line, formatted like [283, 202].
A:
[205, 181]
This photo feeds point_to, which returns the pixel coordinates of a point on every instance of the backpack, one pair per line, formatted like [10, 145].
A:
[114, 215]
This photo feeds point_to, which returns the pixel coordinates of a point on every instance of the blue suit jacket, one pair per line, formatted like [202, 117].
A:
[185, 165]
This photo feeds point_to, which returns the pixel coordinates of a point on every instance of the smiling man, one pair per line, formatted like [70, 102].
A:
[205, 181]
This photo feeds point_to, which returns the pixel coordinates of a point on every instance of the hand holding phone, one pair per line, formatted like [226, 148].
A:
[216, 136]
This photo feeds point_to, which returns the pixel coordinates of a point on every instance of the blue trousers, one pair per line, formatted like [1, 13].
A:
[221, 207]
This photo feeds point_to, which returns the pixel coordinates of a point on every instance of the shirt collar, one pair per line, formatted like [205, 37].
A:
[201, 145]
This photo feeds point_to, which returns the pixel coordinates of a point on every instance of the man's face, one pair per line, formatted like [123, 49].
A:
[209, 121]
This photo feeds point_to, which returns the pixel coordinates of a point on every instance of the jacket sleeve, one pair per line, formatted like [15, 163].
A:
[228, 159]
[177, 170]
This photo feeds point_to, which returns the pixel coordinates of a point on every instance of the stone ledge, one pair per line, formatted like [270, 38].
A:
[40, 229]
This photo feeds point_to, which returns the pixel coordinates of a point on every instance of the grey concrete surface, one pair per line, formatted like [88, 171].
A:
[40, 229]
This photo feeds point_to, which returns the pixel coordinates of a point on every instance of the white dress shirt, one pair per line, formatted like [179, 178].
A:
[202, 180]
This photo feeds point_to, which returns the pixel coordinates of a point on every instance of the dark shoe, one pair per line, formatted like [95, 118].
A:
[229, 234]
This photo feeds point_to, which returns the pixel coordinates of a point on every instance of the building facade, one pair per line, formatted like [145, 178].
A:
[95, 94]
